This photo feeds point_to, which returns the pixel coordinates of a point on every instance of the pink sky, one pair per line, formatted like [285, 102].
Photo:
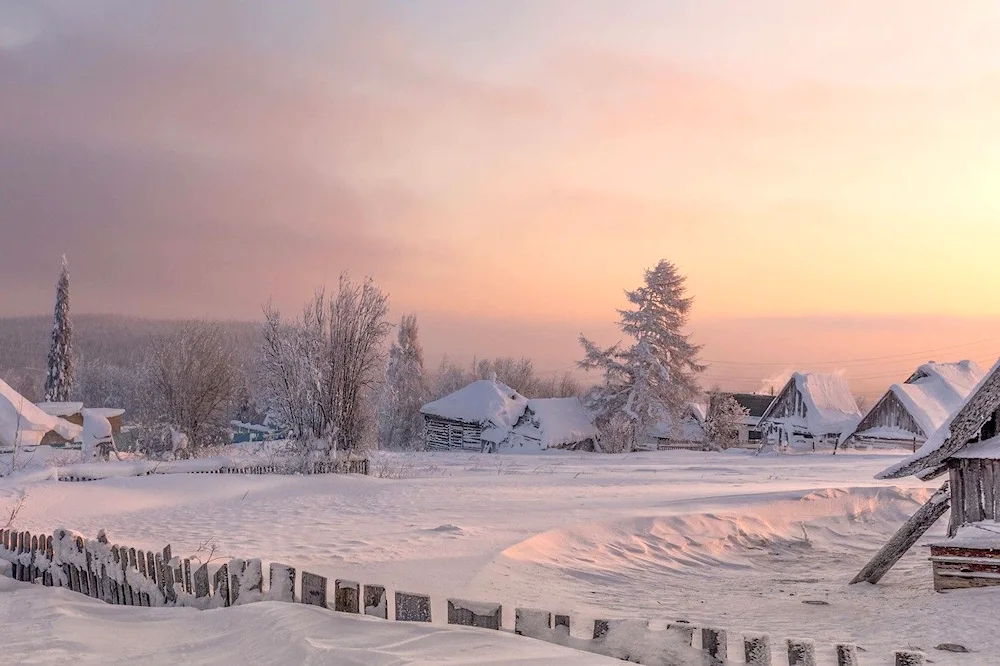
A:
[825, 173]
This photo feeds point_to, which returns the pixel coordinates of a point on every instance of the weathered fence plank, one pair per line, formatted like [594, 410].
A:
[222, 584]
[413, 607]
[475, 614]
[847, 655]
[757, 650]
[282, 582]
[528, 620]
[801, 652]
[716, 643]
[201, 582]
[376, 601]
[313, 589]
[347, 596]
[910, 658]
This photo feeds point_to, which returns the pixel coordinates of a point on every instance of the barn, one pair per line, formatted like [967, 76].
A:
[967, 448]
[475, 418]
[812, 409]
[912, 411]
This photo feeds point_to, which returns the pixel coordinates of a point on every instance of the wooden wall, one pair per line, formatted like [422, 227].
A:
[890, 413]
[974, 491]
[443, 435]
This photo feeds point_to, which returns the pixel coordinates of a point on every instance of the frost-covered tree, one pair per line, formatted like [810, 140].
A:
[656, 375]
[319, 374]
[725, 416]
[405, 390]
[60, 374]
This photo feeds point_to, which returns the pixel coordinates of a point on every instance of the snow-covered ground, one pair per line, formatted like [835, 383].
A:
[728, 540]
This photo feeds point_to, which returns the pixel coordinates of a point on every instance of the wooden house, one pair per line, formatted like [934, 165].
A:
[912, 411]
[967, 448]
[552, 423]
[812, 409]
[755, 404]
[475, 418]
[73, 412]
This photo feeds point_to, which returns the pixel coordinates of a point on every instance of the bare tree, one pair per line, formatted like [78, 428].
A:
[319, 374]
[194, 376]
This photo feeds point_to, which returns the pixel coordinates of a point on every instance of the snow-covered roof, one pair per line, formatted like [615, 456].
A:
[23, 422]
[944, 442]
[830, 405]
[485, 402]
[557, 422]
[61, 409]
[936, 390]
[105, 412]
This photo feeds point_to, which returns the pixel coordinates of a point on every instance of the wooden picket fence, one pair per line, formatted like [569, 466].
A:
[128, 576]
[342, 466]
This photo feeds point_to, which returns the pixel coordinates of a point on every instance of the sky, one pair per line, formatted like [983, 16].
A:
[825, 173]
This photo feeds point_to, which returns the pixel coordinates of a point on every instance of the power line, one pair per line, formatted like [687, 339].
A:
[856, 360]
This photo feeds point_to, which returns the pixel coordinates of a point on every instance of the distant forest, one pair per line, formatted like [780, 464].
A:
[103, 344]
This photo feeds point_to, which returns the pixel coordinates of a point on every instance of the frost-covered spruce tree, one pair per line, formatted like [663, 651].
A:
[725, 416]
[653, 378]
[60, 374]
[405, 390]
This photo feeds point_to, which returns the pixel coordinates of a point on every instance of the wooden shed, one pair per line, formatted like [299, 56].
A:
[910, 412]
[967, 448]
[475, 418]
[812, 409]
[73, 413]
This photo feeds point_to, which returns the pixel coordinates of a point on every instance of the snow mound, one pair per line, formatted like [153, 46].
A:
[24, 423]
[484, 402]
[770, 537]
[551, 423]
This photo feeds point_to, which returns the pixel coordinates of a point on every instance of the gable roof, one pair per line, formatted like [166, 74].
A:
[486, 402]
[556, 422]
[21, 421]
[755, 403]
[830, 405]
[936, 390]
[955, 432]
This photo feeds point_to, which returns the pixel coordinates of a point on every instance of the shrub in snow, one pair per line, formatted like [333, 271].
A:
[657, 373]
[60, 373]
[726, 415]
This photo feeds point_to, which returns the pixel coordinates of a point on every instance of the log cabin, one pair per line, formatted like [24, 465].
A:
[475, 418]
[966, 448]
[811, 410]
[912, 411]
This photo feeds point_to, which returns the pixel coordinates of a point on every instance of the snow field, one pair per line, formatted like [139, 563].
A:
[722, 540]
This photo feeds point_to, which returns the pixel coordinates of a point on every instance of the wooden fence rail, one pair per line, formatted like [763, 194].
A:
[124, 575]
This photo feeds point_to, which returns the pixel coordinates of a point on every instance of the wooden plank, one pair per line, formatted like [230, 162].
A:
[347, 596]
[973, 488]
[989, 489]
[376, 602]
[955, 482]
[412, 607]
[905, 537]
[313, 589]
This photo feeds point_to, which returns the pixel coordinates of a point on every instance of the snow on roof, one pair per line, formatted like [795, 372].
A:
[830, 405]
[106, 412]
[926, 457]
[482, 402]
[936, 390]
[61, 409]
[557, 422]
[23, 422]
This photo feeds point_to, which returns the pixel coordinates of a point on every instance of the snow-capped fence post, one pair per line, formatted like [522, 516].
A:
[376, 602]
[474, 614]
[313, 589]
[347, 596]
[757, 650]
[236, 569]
[847, 655]
[801, 652]
[527, 621]
[281, 586]
[716, 643]
[910, 658]
[413, 607]
[601, 628]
